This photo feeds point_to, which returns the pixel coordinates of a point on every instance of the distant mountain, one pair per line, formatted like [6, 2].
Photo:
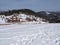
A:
[10, 12]
[51, 16]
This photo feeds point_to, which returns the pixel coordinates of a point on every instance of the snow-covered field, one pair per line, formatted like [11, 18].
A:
[30, 34]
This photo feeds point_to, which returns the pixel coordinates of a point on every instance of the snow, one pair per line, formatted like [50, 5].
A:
[30, 34]
[23, 16]
[47, 12]
[2, 21]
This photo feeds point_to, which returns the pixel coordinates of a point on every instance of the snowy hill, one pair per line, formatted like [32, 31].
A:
[18, 18]
[30, 34]
[54, 18]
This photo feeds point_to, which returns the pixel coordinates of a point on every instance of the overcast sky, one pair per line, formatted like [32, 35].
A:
[36, 5]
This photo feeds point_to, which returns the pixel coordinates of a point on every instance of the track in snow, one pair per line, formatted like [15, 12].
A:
[33, 34]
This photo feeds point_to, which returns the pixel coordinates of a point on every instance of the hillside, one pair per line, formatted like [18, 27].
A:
[51, 17]
[21, 18]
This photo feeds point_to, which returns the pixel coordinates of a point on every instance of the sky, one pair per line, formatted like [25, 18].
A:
[36, 5]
